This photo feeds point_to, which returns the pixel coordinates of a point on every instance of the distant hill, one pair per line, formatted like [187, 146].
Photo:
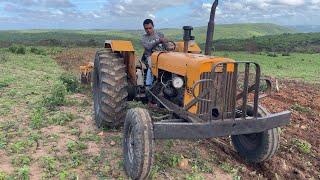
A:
[299, 42]
[239, 31]
[227, 31]
[306, 28]
[97, 37]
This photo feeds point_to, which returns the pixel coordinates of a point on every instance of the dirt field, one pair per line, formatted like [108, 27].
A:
[75, 148]
[299, 153]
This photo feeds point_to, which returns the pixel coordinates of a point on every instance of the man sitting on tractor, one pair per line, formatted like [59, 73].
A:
[150, 41]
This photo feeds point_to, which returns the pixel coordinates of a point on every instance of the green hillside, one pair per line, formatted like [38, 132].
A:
[298, 42]
[228, 31]
[96, 38]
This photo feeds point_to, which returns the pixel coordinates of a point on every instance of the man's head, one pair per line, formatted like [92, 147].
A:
[148, 26]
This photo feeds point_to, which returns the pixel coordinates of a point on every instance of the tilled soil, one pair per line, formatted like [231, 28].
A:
[72, 59]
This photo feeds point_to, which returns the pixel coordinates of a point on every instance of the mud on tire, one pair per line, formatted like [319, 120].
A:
[138, 143]
[109, 89]
[257, 147]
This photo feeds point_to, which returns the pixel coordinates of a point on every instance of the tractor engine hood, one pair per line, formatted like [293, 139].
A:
[184, 64]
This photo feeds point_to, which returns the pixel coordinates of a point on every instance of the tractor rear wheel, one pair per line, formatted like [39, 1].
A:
[138, 143]
[109, 89]
[257, 147]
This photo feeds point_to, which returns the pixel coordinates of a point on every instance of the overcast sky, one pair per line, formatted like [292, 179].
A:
[129, 14]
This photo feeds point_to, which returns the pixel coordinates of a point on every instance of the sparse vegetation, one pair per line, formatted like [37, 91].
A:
[23, 173]
[61, 118]
[37, 118]
[50, 166]
[21, 160]
[228, 168]
[56, 96]
[302, 109]
[302, 145]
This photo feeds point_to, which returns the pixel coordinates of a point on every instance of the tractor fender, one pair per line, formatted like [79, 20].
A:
[119, 45]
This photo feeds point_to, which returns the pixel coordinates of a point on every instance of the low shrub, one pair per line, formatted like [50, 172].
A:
[38, 51]
[70, 82]
[56, 96]
[17, 49]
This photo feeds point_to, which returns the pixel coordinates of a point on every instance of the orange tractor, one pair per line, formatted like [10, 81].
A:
[205, 97]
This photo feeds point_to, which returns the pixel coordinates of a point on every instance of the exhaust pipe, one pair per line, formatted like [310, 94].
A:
[187, 37]
[210, 30]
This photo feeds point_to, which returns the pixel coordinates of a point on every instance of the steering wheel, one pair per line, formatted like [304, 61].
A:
[164, 47]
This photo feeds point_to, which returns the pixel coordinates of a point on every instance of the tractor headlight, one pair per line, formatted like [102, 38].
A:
[177, 82]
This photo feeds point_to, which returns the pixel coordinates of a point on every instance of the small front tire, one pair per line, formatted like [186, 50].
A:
[138, 143]
[257, 147]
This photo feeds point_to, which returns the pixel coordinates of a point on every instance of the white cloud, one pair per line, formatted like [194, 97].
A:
[138, 8]
[42, 3]
[152, 16]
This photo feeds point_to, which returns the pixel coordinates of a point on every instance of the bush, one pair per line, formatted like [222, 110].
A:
[56, 96]
[17, 49]
[21, 50]
[70, 82]
[273, 54]
[38, 51]
[13, 48]
[286, 54]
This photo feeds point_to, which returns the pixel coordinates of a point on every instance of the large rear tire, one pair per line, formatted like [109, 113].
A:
[257, 147]
[138, 144]
[109, 89]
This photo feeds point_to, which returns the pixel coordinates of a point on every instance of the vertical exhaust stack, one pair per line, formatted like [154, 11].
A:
[187, 37]
[210, 30]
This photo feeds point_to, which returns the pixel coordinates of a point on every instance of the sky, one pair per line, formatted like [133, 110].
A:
[129, 14]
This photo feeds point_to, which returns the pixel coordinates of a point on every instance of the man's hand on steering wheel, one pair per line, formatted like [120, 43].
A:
[165, 44]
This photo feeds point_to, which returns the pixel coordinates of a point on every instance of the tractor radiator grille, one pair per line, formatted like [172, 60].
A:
[222, 93]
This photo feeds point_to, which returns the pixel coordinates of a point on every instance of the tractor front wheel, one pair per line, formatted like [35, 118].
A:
[257, 147]
[138, 144]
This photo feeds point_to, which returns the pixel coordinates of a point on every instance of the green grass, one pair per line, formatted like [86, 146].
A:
[26, 79]
[297, 66]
